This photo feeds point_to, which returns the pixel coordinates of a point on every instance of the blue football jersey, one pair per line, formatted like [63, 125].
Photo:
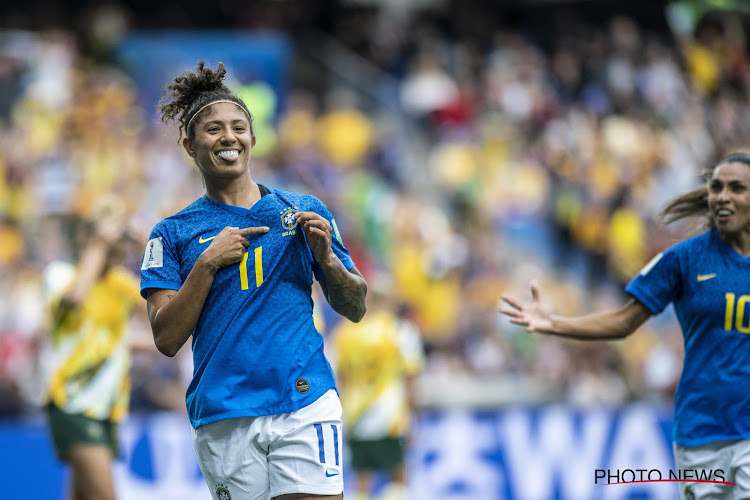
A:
[709, 284]
[255, 348]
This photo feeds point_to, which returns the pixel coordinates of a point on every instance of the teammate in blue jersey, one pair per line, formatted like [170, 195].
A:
[707, 278]
[234, 270]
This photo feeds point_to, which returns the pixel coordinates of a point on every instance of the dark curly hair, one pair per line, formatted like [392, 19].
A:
[695, 203]
[189, 92]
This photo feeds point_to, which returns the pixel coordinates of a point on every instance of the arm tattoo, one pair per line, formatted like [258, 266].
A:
[212, 268]
[345, 291]
[170, 296]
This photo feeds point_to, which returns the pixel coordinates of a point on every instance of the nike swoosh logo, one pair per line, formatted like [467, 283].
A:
[328, 474]
[704, 277]
[203, 240]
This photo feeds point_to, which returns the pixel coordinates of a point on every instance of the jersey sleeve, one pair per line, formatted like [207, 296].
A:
[337, 242]
[160, 267]
[659, 283]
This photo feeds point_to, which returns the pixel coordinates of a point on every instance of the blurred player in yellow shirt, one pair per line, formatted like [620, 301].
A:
[378, 360]
[89, 384]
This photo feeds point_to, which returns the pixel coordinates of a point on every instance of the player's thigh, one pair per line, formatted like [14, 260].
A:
[232, 459]
[305, 452]
[741, 469]
[91, 466]
[705, 460]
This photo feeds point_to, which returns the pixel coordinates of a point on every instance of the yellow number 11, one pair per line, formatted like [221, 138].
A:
[258, 268]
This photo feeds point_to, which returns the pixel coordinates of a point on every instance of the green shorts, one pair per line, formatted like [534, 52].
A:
[376, 455]
[70, 429]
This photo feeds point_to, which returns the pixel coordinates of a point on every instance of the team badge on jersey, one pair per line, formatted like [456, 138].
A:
[154, 254]
[288, 221]
[222, 492]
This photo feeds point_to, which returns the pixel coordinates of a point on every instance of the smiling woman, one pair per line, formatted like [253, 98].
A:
[724, 203]
[224, 139]
[707, 279]
[260, 371]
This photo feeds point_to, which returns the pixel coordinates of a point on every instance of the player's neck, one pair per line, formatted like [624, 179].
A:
[240, 193]
[740, 241]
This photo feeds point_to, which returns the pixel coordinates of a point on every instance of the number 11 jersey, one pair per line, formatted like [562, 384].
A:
[255, 348]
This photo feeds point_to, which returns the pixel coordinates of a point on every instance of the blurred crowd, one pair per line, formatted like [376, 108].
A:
[464, 170]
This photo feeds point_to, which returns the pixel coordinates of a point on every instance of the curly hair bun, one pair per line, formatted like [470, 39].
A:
[189, 91]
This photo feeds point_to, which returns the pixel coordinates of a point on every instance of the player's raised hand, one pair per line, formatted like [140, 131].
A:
[230, 245]
[530, 315]
[318, 233]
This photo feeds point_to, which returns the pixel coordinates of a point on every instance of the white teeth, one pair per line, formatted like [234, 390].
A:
[723, 211]
[229, 155]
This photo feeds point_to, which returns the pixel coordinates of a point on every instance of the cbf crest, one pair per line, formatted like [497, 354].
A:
[288, 222]
[222, 492]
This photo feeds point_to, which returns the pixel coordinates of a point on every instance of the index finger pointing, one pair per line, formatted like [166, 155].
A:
[249, 231]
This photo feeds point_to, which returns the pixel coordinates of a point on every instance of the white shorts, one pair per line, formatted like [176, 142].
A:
[732, 457]
[257, 458]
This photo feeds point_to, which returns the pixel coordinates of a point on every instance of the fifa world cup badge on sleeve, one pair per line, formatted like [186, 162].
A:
[154, 254]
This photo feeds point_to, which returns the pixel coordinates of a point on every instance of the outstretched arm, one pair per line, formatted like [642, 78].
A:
[345, 290]
[611, 324]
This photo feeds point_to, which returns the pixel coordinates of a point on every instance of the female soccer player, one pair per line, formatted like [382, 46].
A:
[89, 385]
[707, 277]
[235, 270]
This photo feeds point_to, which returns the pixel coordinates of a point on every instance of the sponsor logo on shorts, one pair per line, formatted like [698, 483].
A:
[331, 474]
[222, 492]
[302, 385]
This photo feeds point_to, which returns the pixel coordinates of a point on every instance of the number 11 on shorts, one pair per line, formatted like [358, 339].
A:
[321, 442]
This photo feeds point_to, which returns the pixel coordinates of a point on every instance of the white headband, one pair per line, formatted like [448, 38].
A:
[187, 127]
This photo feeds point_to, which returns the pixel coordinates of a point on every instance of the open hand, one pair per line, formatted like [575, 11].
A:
[530, 315]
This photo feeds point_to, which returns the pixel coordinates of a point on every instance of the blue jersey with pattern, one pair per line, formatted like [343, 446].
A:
[255, 348]
[709, 284]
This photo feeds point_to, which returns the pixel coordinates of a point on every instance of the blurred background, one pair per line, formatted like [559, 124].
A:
[465, 149]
